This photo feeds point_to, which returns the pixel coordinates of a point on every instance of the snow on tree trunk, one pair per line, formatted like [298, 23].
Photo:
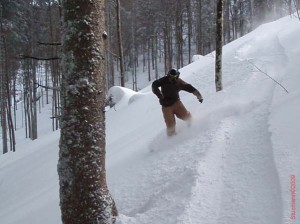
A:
[219, 46]
[84, 196]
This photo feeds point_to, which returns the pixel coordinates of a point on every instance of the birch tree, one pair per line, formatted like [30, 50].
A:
[84, 195]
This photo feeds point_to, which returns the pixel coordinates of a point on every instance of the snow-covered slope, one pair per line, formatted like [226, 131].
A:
[234, 165]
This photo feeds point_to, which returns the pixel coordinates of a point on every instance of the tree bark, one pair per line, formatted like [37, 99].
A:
[9, 100]
[3, 99]
[121, 54]
[84, 195]
[219, 46]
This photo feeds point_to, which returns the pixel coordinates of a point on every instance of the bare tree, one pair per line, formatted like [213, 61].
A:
[121, 55]
[297, 7]
[5, 90]
[219, 46]
[3, 98]
[84, 195]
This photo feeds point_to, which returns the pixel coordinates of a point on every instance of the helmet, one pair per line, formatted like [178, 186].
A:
[173, 72]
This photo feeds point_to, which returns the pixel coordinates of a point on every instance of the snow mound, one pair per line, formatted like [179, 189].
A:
[122, 96]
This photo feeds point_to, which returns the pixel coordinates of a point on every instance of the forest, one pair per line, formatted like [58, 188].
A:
[68, 54]
[149, 36]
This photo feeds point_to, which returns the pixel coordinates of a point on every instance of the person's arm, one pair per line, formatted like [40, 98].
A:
[191, 89]
[198, 95]
[155, 88]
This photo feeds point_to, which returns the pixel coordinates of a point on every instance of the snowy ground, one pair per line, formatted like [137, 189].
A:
[234, 165]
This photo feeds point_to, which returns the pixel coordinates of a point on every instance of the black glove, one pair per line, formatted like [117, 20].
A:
[198, 95]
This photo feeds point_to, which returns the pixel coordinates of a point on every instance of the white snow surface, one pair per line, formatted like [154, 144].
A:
[232, 166]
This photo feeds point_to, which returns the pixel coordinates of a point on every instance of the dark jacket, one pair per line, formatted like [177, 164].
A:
[169, 92]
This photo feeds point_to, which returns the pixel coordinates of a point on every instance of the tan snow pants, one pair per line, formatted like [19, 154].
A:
[178, 110]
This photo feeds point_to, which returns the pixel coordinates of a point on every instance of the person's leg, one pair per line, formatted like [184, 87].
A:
[169, 120]
[181, 112]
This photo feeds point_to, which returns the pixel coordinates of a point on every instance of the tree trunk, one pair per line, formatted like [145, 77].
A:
[200, 39]
[84, 195]
[121, 54]
[9, 100]
[219, 46]
[155, 56]
[190, 27]
[34, 134]
[149, 60]
[3, 97]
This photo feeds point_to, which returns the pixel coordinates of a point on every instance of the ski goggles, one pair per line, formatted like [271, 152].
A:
[174, 77]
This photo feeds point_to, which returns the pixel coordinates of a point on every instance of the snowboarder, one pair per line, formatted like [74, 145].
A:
[168, 97]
